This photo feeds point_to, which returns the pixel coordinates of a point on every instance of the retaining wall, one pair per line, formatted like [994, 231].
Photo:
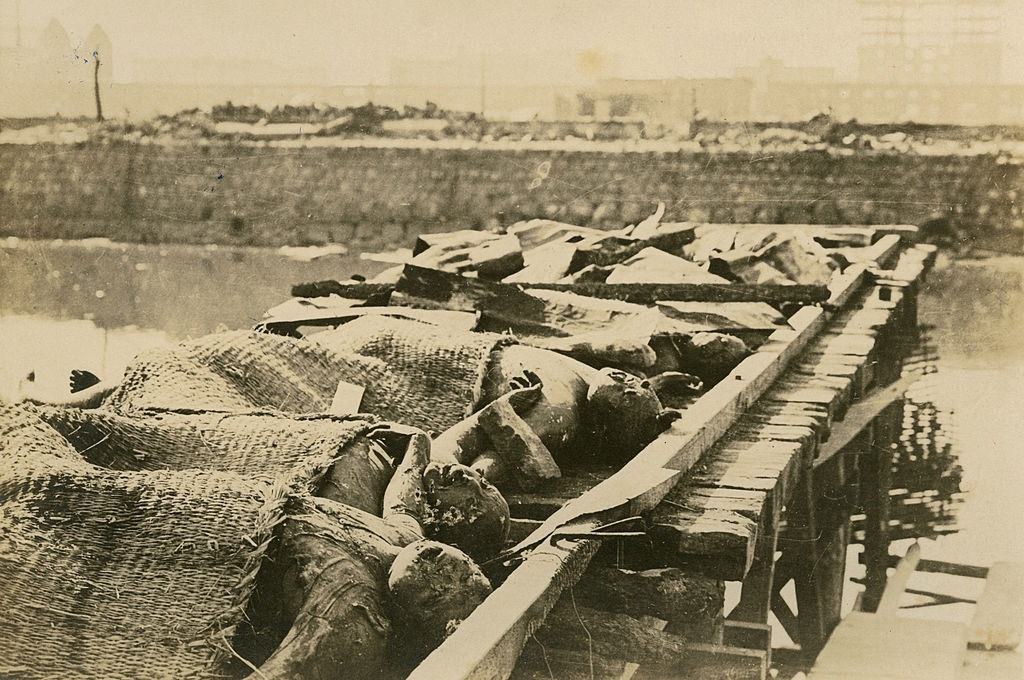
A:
[371, 197]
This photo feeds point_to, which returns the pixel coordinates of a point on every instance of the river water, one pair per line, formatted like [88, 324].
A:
[94, 305]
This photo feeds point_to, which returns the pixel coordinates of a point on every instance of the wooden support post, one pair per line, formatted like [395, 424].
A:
[756, 594]
[804, 542]
[876, 478]
[833, 516]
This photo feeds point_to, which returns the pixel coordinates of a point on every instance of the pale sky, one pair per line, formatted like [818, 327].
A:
[350, 41]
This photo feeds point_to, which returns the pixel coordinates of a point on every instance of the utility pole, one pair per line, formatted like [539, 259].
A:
[17, 23]
[483, 84]
[96, 84]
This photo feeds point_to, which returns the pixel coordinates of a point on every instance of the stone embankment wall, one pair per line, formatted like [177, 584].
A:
[370, 197]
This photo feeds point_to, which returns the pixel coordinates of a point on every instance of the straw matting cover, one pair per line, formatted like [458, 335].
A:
[412, 372]
[254, 445]
[266, 446]
[108, 574]
[416, 373]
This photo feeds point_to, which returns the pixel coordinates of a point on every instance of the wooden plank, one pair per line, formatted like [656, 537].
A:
[766, 408]
[373, 293]
[650, 293]
[890, 648]
[772, 429]
[997, 620]
[859, 344]
[711, 541]
[941, 567]
[889, 604]
[821, 396]
[884, 251]
[908, 232]
[749, 635]
[859, 416]
[639, 293]
[333, 316]
[758, 465]
[488, 641]
[749, 503]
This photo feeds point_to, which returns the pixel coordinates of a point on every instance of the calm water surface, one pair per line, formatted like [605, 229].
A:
[95, 304]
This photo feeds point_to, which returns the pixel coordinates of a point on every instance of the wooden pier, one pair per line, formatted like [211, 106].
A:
[622, 572]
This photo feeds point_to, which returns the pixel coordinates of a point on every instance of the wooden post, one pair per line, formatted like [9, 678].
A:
[96, 85]
[803, 544]
[833, 515]
[756, 594]
[876, 478]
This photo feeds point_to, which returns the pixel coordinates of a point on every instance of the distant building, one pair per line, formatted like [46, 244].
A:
[770, 70]
[671, 101]
[48, 61]
[932, 42]
[773, 91]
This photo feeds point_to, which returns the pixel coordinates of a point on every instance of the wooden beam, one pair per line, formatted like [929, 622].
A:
[749, 635]
[885, 648]
[941, 567]
[290, 322]
[859, 416]
[871, 232]
[889, 604]
[378, 293]
[756, 592]
[649, 293]
[639, 293]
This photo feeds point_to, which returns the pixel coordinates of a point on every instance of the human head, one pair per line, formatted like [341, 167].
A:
[624, 410]
[433, 586]
[464, 509]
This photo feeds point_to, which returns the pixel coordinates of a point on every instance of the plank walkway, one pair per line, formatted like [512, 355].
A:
[886, 646]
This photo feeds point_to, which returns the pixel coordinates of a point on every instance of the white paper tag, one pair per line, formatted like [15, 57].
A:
[347, 399]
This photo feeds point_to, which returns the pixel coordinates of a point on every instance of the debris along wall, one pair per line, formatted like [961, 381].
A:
[371, 197]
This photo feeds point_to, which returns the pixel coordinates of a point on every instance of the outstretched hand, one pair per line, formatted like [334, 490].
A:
[82, 380]
[525, 391]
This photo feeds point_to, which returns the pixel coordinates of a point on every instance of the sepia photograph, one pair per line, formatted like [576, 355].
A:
[512, 339]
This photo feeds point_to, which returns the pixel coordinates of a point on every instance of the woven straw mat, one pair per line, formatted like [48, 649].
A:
[412, 372]
[109, 574]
